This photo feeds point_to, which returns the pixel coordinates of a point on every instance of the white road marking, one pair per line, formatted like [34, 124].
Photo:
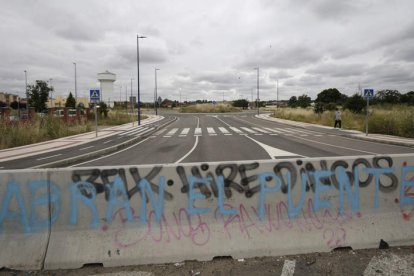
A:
[273, 130]
[286, 130]
[160, 131]
[195, 144]
[87, 148]
[224, 131]
[106, 142]
[248, 130]
[211, 131]
[305, 131]
[288, 268]
[274, 153]
[185, 131]
[197, 131]
[235, 129]
[335, 146]
[172, 132]
[43, 158]
[260, 130]
[390, 264]
[117, 152]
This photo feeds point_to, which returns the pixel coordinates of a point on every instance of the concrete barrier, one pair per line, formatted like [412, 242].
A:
[24, 219]
[168, 213]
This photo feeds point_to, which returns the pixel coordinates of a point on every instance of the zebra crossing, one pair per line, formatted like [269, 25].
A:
[216, 131]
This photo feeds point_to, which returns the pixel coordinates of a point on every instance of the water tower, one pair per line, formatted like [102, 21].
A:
[106, 80]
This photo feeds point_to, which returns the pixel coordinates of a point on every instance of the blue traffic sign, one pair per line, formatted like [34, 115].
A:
[95, 95]
[368, 93]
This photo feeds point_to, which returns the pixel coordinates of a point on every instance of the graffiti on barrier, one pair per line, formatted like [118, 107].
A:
[106, 194]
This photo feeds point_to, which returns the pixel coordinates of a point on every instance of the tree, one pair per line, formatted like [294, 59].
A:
[241, 103]
[387, 96]
[355, 104]
[319, 108]
[103, 109]
[14, 105]
[331, 95]
[292, 101]
[2, 104]
[304, 101]
[38, 95]
[408, 98]
[70, 101]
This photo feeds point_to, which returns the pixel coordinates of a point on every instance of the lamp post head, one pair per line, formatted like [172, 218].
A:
[141, 36]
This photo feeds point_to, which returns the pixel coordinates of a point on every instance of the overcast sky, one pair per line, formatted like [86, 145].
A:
[209, 48]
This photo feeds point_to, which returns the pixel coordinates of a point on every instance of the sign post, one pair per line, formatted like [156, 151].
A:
[368, 93]
[94, 95]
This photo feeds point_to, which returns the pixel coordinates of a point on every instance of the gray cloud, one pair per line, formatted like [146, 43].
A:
[146, 55]
[337, 70]
[205, 48]
[282, 57]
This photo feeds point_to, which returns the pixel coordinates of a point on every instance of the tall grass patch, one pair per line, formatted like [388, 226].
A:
[390, 119]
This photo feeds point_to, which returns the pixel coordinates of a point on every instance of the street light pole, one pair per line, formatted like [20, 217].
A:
[120, 97]
[27, 94]
[76, 85]
[132, 103]
[51, 93]
[277, 94]
[139, 99]
[257, 101]
[156, 92]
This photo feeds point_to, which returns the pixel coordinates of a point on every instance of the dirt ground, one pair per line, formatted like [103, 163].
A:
[392, 261]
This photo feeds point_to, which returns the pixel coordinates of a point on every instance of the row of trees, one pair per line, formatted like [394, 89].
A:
[329, 99]
[38, 96]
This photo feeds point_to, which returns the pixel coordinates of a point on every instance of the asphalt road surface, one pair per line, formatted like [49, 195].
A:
[232, 137]
[185, 138]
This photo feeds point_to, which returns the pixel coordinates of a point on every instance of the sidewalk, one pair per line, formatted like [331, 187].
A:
[70, 141]
[380, 138]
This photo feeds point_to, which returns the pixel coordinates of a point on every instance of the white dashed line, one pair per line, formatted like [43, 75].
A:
[288, 268]
[43, 158]
[87, 148]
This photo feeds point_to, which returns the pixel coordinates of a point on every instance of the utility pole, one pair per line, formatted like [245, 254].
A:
[132, 104]
[76, 85]
[277, 94]
[27, 95]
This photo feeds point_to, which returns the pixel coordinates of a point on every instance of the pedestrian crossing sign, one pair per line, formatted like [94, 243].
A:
[95, 95]
[368, 93]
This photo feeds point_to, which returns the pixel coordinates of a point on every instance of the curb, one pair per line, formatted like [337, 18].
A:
[98, 153]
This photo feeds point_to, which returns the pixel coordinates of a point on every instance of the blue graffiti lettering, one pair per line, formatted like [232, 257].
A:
[193, 195]
[406, 184]
[263, 178]
[157, 205]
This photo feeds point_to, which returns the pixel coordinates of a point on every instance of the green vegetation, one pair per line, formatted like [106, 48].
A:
[209, 108]
[384, 119]
[40, 129]
[70, 101]
[21, 133]
[38, 95]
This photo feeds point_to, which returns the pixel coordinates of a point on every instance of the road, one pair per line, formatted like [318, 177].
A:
[230, 137]
[185, 138]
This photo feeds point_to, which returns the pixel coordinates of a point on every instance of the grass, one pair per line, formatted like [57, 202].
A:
[395, 120]
[19, 133]
[209, 108]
